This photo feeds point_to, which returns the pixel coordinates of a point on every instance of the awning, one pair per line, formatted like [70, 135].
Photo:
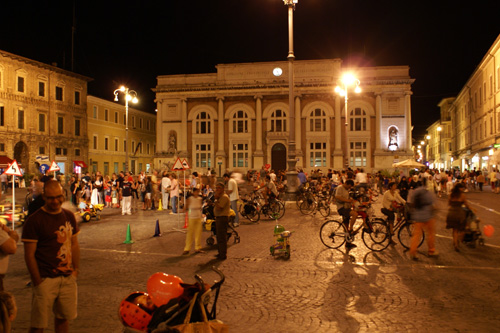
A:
[81, 164]
[5, 161]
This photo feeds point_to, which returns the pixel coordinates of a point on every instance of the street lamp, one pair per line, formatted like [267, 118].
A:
[291, 175]
[130, 95]
[347, 81]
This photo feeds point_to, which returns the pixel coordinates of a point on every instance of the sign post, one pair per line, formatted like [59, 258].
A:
[13, 170]
[54, 167]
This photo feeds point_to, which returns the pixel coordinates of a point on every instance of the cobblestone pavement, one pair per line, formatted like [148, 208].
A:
[317, 290]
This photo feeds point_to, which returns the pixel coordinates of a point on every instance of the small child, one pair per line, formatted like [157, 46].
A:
[82, 206]
[107, 198]
[114, 198]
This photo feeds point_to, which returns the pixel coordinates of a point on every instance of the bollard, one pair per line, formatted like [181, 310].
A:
[128, 239]
[160, 208]
[157, 229]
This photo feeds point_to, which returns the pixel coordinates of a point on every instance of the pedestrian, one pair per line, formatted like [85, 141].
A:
[457, 216]
[221, 211]
[8, 246]
[52, 256]
[421, 203]
[5, 182]
[8, 311]
[165, 190]
[391, 197]
[174, 193]
[126, 194]
[232, 190]
[480, 179]
[147, 193]
[195, 223]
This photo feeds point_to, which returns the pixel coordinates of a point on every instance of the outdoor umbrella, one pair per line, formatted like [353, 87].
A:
[408, 164]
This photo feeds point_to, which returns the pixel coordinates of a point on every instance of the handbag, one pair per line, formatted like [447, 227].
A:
[206, 326]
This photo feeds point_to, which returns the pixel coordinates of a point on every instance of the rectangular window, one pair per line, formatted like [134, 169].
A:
[41, 89]
[124, 119]
[106, 143]
[77, 152]
[147, 149]
[95, 112]
[94, 167]
[2, 116]
[106, 168]
[317, 154]
[20, 119]
[41, 122]
[133, 121]
[240, 155]
[106, 114]
[59, 93]
[147, 125]
[41, 150]
[202, 156]
[95, 142]
[116, 144]
[62, 151]
[77, 98]
[115, 167]
[60, 125]
[125, 145]
[2, 146]
[116, 117]
[140, 123]
[20, 84]
[358, 154]
[77, 127]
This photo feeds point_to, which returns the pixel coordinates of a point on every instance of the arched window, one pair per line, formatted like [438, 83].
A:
[203, 123]
[278, 121]
[240, 122]
[358, 120]
[317, 121]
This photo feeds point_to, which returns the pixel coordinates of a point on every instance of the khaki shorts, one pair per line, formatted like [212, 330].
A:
[58, 294]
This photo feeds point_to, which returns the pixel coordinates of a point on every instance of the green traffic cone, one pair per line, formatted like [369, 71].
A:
[128, 240]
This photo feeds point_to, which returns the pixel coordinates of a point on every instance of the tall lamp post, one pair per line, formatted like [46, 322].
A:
[130, 95]
[347, 81]
[291, 175]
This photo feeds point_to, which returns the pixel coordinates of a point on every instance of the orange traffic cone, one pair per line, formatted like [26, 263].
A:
[185, 222]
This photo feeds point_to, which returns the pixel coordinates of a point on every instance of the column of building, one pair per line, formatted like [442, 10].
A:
[182, 147]
[298, 133]
[378, 122]
[220, 155]
[408, 121]
[258, 155]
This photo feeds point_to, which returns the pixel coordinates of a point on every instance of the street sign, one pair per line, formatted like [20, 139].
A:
[177, 165]
[43, 168]
[13, 170]
[54, 167]
[185, 165]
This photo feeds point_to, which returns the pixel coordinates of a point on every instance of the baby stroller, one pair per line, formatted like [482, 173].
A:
[208, 211]
[472, 235]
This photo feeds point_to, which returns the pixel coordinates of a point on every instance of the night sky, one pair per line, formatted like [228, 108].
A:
[132, 42]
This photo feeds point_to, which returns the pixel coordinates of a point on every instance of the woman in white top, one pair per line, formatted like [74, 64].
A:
[390, 196]
[94, 199]
[195, 224]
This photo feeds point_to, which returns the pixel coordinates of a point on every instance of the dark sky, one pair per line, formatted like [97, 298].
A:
[132, 42]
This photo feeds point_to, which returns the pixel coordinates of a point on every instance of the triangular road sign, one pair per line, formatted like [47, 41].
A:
[54, 167]
[177, 165]
[185, 164]
[13, 170]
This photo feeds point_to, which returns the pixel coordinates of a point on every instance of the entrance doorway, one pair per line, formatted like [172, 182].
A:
[21, 155]
[278, 157]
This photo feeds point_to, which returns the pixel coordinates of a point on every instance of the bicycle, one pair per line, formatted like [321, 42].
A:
[315, 204]
[403, 226]
[375, 233]
[249, 209]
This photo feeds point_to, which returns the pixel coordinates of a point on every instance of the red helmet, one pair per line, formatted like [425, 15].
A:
[134, 314]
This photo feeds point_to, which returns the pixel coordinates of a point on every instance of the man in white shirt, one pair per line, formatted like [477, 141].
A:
[362, 178]
[232, 191]
[165, 188]
[273, 176]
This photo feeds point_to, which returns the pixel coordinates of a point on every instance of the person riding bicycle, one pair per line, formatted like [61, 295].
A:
[388, 206]
[269, 190]
[344, 206]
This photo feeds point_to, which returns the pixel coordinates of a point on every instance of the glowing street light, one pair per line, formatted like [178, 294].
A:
[347, 81]
[130, 95]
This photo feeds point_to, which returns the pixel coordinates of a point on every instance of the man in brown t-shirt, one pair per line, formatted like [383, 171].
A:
[221, 211]
[52, 255]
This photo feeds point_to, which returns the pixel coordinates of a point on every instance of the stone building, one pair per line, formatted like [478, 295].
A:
[237, 118]
[42, 114]
[106, 135]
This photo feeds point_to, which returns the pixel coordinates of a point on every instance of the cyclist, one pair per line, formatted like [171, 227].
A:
[391, 196]
[269, 190]
[344, 206]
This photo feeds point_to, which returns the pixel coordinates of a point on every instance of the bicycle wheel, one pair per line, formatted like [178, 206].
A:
[377, 237]
[324, 208]
[333, 234]
[251, 212]
[404, 235]
[276, 210]
[307, 206]
[300, 198]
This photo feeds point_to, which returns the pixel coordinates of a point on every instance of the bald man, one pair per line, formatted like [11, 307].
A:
[52, 255]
